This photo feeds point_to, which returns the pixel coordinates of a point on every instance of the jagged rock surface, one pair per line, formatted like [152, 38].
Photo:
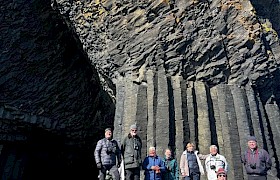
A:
[52, 106]
[205, 71]
[211, 41]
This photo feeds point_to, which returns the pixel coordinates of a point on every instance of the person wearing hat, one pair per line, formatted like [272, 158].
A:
[107, 156]
[131, 151]
[256, 160]
[221, 174]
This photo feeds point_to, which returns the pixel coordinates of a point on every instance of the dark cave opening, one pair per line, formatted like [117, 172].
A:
[45, 156]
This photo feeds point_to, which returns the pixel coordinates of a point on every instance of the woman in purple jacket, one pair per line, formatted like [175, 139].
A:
[153, 166]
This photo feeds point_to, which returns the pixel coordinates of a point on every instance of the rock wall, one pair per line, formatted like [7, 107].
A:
[53, 108]
[175, 112]
[205, 71]
[212, 41]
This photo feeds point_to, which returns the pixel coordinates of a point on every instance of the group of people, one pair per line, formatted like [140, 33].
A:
[108, 157]
[191, 167]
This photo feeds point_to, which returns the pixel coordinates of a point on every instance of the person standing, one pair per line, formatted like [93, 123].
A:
[131, 151]
[153, 165]
[190, 164]
[256, 161]
[107, 156]
[172, 171]
[214, 162]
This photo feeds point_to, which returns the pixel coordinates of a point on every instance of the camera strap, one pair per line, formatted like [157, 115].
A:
[110, 142]
[255, 156]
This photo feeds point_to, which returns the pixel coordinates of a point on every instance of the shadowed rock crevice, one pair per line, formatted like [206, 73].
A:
[53, 108]
[272, 137]
[172, 127]
[194, 123]
[268, 10]
[214, 139]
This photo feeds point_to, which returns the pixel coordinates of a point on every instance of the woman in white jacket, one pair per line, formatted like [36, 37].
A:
[190, 164]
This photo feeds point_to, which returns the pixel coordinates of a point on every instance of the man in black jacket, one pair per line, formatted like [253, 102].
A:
[131, 151]
[107, 156]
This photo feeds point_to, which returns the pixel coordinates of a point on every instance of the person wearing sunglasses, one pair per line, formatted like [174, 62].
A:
[131, 151]
[221, 174]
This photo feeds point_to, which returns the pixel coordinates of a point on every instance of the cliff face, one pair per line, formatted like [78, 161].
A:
[205, 71]
[210, 41]
[52, 106]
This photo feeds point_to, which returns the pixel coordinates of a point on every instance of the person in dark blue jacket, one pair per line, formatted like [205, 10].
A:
[153, 165]
[108, 156]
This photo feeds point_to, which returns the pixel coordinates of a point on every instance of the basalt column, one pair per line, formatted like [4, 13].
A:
[171, 112]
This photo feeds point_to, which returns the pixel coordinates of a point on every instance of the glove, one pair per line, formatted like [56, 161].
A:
[119, 164]
[98, 165]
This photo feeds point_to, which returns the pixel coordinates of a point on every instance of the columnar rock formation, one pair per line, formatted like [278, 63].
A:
[201, 70]
[205, 71]
[177, 111]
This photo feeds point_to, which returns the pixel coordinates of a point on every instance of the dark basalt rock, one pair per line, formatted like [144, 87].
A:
[53, 108]
[156, 51]
[205, 71]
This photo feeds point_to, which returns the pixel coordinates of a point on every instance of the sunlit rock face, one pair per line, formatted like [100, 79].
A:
[211, 41]
[200, 71]
[205, 71]
[52, 106]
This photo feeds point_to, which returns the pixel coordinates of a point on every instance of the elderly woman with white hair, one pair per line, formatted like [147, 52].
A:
[153, 165]
[214, 162]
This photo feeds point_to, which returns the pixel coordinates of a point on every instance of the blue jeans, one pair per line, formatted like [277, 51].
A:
[193, 176]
